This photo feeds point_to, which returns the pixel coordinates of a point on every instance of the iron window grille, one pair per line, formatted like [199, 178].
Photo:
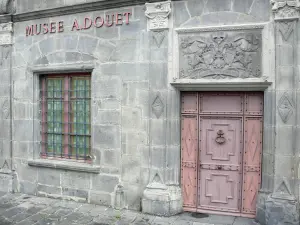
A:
[65, 102]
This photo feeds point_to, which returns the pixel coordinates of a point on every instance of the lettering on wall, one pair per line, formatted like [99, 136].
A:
[116, 19]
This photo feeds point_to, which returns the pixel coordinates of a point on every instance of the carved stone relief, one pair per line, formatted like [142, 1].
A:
[5, 109]
[286, 28]
[158, 106]
[285, 108]
[158, 15]
[6, 33]
[285, 9]
[220, 55]
[159, 37]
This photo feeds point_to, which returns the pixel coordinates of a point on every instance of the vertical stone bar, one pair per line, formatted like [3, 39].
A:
[282, 204]
[160, 197]
[6, 154]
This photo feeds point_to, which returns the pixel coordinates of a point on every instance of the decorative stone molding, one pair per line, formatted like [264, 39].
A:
[6, 34]
[158, 15]
[220, 28]
[220, 54]
[158, 106]
[159, 37]
[285, 107]
[285, 9]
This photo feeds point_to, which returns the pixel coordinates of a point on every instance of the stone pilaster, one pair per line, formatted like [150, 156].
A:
[161, 196]
[6, 156]
[282, 205]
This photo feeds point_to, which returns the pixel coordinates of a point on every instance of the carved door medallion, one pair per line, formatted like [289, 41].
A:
[221, 143]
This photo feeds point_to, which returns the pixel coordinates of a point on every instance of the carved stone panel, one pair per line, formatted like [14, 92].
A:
[220, 54]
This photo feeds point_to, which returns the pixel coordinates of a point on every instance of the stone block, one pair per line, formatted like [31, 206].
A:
[269, 139]
[261, 10]
[162, 202]
[109, 69]
[73, 57]
[195, 7]
[125, 51]
[139, 14]
[280, 211]
[22, 42]
[284, 145]
[111, 158]
[133, 195]
[87, 44]
[49, 176]
[70, 42]
[25, 172]
[5, 182]
[180, 13]
[22, 130]
[159, 75]
[131, 169]
[109, 104]
[131, 31]
[158, 158]
[23, 110]
[244, 19]
[57, 57]
[75, 193]
[132, 118]
[286, 55]
[107, 136]
[218, 5]
[131, 140]
[48, 189]
[75, 180]
[242, 6]
[23, 89]
[133, 71]
[105, 183]
[100, 198]
[104, 51]
[107, 87]
[33, 53]
[28, 188]
[283, 166]
[227, 18]
[108, 117]
[158, 132]
[108, 32]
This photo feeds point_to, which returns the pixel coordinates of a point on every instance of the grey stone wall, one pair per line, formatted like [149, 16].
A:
[135, 110]
[119, 56]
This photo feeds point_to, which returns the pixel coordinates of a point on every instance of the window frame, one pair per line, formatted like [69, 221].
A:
[66, 98]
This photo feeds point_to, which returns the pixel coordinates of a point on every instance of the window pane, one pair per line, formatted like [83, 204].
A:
[80, 116]
[54, 116]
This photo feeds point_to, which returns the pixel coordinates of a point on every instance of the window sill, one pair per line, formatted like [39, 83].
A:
[74, 166]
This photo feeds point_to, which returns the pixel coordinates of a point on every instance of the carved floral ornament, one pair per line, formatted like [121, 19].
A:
[220, 55]
[285, 9]
[158, 15]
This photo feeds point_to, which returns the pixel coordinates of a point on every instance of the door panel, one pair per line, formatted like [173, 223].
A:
[220, 162]
[252, 163]
[254, 104]
[189, 102]
[221, 103]
[189, 154]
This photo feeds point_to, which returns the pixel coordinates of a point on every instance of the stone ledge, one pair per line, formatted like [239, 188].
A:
[79, 8]
[225, 85]
[74, 166]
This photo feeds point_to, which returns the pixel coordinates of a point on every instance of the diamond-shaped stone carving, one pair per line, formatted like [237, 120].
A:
[285, 108]
[158, 106]
[5, 109]
[159, 37]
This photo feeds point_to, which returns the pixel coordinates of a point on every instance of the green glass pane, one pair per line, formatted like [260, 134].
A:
[80, 145]
[54, 87]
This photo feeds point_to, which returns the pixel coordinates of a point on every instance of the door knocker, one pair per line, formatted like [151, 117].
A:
[220, 139]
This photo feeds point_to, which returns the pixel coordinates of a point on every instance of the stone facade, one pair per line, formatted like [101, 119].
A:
[137, 71]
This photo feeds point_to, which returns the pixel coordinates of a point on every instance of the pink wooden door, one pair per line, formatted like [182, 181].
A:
[220, 163]
[252, 151]
[189, 149]
[221, 143]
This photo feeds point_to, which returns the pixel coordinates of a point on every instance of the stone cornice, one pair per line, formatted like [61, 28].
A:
[86, 7]
[286, 10]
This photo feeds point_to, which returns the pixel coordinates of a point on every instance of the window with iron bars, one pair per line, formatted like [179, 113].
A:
[66, 116]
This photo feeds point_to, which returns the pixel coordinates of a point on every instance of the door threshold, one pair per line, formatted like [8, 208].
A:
[188, 209]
